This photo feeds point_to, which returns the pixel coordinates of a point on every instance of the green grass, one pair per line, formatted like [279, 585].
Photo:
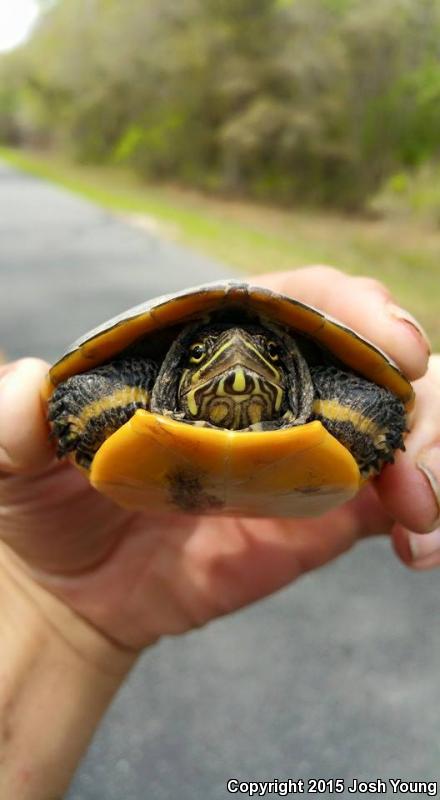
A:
[253, 238]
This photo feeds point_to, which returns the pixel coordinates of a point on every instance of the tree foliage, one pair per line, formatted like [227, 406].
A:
[312, 100]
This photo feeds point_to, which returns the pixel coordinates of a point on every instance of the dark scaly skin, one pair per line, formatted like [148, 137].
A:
[374, 404]
[75, 395]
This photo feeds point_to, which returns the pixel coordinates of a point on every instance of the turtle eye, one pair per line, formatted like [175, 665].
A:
[273, 351]
[197, 352]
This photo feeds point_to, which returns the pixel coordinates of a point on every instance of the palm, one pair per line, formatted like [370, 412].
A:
[136, 577]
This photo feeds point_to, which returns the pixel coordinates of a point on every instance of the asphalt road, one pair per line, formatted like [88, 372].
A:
[335, 677]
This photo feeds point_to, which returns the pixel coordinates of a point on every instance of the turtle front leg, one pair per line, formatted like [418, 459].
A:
[367, 419]
[87, 408]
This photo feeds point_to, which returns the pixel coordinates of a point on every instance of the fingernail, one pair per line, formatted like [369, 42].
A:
[6, 369]
[424, 545]
[404, 316]
[428, 461]
[7, 393]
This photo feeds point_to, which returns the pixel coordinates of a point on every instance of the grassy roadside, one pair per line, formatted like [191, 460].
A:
[255, 238]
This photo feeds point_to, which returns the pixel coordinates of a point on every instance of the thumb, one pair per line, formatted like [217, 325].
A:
[24, 434]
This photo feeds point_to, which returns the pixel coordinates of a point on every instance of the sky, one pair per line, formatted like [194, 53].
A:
[16, 19]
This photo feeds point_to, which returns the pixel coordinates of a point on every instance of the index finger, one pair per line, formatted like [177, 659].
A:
[365, 305]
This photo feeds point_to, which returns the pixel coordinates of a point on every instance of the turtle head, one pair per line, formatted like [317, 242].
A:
[233, 377]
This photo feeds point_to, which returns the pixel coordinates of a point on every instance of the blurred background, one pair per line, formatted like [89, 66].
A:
[219, 117]
[146, 146]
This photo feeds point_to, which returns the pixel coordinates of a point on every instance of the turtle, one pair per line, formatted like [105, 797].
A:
[227, 398]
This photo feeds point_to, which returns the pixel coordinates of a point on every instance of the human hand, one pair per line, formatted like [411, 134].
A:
[137, 576]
